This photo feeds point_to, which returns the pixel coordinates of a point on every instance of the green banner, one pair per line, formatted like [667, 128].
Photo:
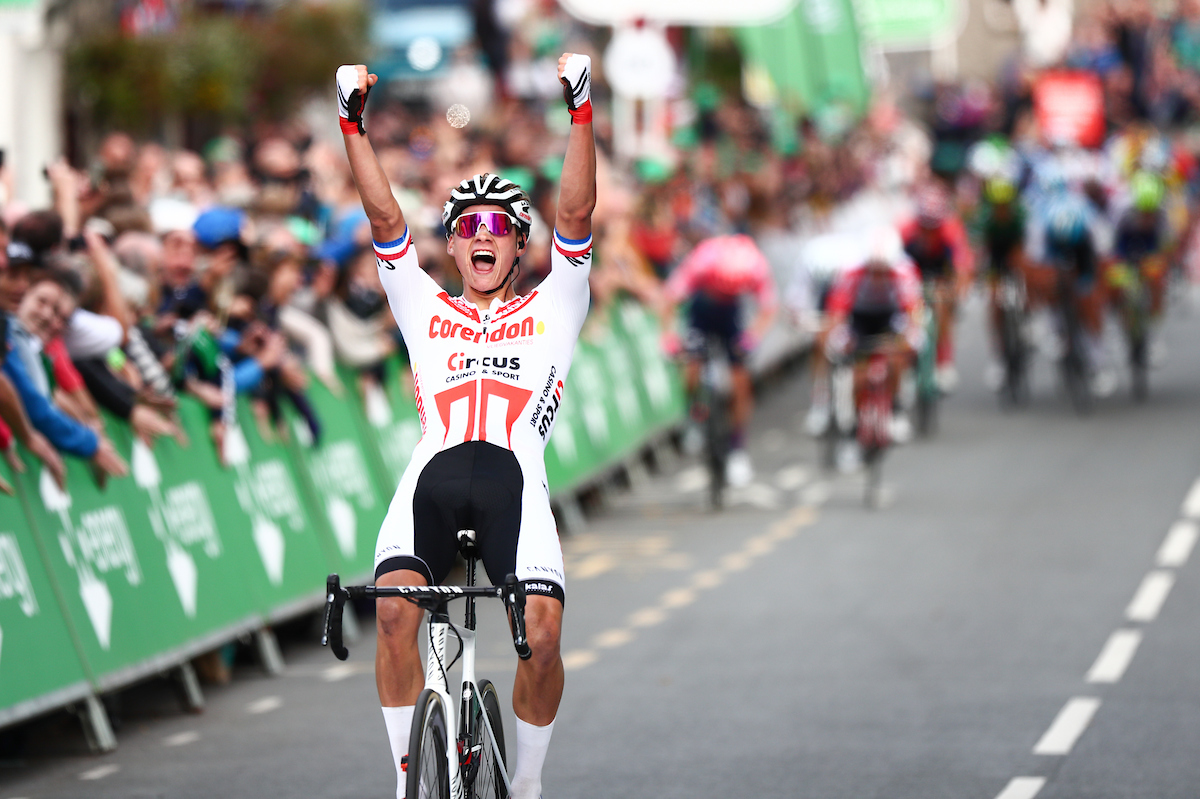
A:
[344, 477]
[31, 621]
[900, 24]
[813, 57]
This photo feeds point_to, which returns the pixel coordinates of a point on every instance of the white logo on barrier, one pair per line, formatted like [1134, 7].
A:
[591, 384]
[267, 495]
[563, 441]
[14, 578]
[379, 411]
[98, 545]
[181, 518]
[398, 437]
[654, 368]
[622, 376]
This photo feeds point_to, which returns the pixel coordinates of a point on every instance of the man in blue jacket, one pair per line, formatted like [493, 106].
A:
[64, 433]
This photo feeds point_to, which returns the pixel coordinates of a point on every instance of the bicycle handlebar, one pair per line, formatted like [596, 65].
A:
[428, 597]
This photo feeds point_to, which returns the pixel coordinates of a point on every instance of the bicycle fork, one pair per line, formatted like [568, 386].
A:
[436, 680]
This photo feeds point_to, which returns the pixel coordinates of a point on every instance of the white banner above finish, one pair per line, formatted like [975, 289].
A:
[677, 12]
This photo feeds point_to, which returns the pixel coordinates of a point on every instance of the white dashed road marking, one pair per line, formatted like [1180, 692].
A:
[1071, 722]
[1022, 788]
[1115, 657]
[1191, 505]
[1177, 547]
[182, 738]
[100, 772]
[1150, 596]
[790, 478]
[264, 705]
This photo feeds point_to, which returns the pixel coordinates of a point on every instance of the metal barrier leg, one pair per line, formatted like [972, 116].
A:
[268, 651]
[96, 728]
[571, 514]
[189, 685]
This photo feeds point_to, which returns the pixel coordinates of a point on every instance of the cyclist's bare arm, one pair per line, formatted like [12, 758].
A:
[577, 192]
[387, 221]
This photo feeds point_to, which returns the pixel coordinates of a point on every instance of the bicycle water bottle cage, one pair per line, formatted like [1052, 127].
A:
[467, 545]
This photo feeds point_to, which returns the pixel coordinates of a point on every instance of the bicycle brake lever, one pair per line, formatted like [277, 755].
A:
[331, 636]
[514, 598]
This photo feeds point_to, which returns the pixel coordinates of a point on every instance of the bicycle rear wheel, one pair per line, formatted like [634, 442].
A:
[485, 777]
[1012, 344]
[716, 448]
[428, 772]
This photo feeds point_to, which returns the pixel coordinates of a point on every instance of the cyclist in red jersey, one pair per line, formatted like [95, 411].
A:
[490, 370]
[937, 243]
[877, 304]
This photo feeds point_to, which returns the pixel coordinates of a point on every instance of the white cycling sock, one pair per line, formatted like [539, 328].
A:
[532, 743]
[399, 725]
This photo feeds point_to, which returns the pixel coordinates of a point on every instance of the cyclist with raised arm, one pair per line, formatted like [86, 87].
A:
[489, 369]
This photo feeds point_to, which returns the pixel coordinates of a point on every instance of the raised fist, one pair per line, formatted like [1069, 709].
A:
[353, 85]
[575, 73]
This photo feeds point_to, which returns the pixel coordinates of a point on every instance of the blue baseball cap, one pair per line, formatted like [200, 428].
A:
[218, 225]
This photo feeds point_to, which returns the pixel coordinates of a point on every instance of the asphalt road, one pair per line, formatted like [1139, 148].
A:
[1020, 620]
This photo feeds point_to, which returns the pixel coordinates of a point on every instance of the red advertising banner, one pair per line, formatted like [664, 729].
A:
[1070, 107]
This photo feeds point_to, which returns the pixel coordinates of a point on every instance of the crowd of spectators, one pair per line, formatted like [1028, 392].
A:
[246, 267]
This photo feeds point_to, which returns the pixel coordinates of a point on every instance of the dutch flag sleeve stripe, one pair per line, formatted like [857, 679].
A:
[393, 249]
[572, 247]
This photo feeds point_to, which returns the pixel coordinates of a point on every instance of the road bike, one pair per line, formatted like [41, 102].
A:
[712, 407]
[1133, 288]
[1012, 308]
[471, 764]
[840, 424]
[873, 412]
[1073, 364]
[928, 392]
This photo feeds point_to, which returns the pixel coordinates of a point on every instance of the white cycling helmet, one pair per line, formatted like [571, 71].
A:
[489, 189]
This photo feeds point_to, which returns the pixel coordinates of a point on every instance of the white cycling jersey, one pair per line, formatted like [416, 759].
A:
[495, 376]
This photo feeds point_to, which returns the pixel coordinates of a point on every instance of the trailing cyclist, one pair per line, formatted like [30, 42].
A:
[1142, 251]
[876, 306]
[1066, 237]
[937, 243]
[1001, 223]
[712, 280]
[490, 369]
[822, 259]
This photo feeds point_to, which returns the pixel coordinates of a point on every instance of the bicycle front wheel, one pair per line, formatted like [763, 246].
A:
[486, 774]
[428, 772]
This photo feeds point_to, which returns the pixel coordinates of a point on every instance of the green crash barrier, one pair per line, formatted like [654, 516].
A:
[659, 384]
[344, 477]
[40, 666]
[147, 574]
[108, 585]
[295, 548]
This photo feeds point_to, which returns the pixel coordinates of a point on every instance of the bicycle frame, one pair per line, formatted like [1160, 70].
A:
[436, 680]
[435, 600]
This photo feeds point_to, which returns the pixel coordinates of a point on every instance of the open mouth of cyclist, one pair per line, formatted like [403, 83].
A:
[483, 261]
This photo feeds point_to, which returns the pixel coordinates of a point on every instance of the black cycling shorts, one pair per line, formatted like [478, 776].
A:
[473, 486]
[722, 319]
